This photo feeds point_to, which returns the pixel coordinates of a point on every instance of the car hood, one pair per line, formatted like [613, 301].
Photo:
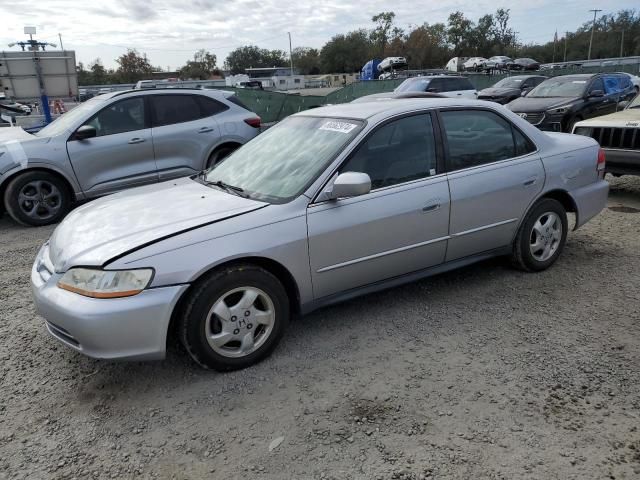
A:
[109, 227]
[498, 92]
[533, 104]
[625, 118]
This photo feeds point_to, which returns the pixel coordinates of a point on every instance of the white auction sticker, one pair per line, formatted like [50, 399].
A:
[342, 127]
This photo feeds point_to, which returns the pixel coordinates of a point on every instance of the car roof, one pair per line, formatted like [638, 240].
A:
[430, 77]
[366, 110]
[172, 90]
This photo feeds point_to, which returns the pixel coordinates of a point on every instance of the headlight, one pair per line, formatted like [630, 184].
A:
[105, 283]
[559, 110]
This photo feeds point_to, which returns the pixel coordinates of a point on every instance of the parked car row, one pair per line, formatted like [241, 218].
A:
[500, 62]
[298, 218]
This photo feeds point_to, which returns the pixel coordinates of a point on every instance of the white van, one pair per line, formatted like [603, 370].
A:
[456, 64]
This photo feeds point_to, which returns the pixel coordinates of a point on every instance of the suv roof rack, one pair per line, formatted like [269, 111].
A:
[131, 90]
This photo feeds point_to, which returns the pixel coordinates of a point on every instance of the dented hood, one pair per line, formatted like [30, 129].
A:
[99, 231]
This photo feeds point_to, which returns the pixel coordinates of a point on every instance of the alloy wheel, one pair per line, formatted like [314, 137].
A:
[240, 322]
[40, 200]
[546, 236]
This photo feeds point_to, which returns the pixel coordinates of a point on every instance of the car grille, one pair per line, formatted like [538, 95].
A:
[533, 118]
[622, 138]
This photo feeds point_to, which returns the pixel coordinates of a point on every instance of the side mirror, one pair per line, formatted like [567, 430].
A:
[350, 184]
[596, 94]
[84, 132]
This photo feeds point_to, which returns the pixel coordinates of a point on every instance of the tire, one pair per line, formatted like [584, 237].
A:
[36, 198]
[219, 154]
[535, 234]
[222, 333]
[570, 124]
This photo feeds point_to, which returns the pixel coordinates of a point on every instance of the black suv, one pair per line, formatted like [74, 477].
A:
[559, 102]
[510, 88]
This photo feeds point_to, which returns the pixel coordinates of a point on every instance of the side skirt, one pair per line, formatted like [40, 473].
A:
[402, 279]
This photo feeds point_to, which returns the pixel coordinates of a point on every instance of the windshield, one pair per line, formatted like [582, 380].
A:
[509, 83]
[279, 164]
[65, 122]
[413, 85]
[559, 87]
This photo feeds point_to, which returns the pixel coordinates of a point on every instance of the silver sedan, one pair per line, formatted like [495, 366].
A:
[331, 203]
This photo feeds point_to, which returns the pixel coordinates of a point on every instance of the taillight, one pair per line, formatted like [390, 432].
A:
[601, 163]
[255, 122]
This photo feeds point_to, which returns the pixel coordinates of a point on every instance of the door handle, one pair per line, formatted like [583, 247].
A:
[531, 181]
[136, 140]
[431, 207]
[205, 130]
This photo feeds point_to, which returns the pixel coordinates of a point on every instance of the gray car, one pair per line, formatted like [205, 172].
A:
[116, 141]
[330, 204]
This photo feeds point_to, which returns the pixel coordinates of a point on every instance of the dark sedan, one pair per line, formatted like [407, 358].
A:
[559, 102]
[526, 64]
[510, 88]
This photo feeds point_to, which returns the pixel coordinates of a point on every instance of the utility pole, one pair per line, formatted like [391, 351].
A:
[566, 35]
[622, 43]
[593, 27]
[515, 42]
[60, 37]
[290, 53]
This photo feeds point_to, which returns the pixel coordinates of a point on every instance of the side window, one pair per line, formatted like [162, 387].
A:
[597, 85]
[397, 152]
[462, 84]
[170, 109]
[523, 144]
[209, 106]
[120, 117]
[476, 137]
[612, 85]
[436, 85]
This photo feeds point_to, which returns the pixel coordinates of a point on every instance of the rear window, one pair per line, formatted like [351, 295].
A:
[236, 101]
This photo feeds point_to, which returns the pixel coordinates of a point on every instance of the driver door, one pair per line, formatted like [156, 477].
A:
[120, 155]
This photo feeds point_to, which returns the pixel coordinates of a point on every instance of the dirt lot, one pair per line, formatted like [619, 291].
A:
[483, 373]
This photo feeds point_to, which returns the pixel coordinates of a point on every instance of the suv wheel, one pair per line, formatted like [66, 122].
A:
[37, 198]
[541, 237]
[219, 154]
[234, 317]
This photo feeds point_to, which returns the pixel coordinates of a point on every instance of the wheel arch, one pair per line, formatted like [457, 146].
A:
[6, 181]
[272, 266]
[224, 144]
[562, 196]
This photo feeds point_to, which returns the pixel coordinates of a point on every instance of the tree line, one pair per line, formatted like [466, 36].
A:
[424, 46]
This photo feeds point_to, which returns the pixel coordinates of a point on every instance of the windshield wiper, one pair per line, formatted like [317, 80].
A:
[225, 186]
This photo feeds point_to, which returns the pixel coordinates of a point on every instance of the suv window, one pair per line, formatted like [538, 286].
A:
[235, 100]
[124, 116]
[597, 84]
[170, 109]
[477, 137]
[437, 85]
[209, 106]
[461, 84]
[398, 152]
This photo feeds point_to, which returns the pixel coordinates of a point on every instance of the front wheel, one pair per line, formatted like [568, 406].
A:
[541, 237]
[37, 198]
[234, 317]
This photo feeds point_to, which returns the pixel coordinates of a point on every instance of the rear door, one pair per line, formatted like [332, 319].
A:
[120, 155]
[184, 130]
[494, 174]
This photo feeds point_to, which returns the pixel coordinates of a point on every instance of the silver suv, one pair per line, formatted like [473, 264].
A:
[116, 141]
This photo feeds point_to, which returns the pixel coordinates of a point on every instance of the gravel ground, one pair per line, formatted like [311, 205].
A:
[482, 373]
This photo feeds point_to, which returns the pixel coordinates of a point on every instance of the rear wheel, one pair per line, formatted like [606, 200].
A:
[234, 317]
[571, 123]
[541, 237]
[37, 198]
[219, 154]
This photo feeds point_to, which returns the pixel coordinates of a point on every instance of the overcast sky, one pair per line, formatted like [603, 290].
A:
[169, 31]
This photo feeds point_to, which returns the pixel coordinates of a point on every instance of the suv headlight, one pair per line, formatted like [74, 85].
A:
[559, 110]
[105, 283]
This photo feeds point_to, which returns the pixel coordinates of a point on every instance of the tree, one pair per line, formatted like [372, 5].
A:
[306, 60]
[251, 56]
[384, 31]
[426, 46]
[346, 53]
[99, 74]
[201, 67]
[482, 35]
[459, 32]
[504, 36]
[133, 66]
